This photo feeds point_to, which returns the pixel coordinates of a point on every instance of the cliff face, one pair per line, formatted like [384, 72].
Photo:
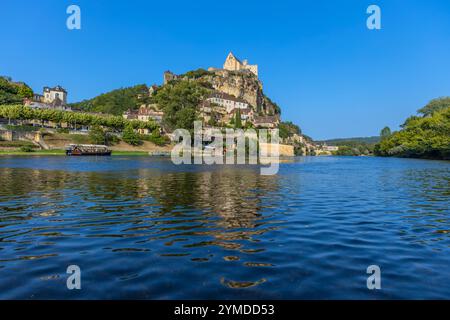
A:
[242, 84]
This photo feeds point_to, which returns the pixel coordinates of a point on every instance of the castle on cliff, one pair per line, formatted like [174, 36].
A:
[234, 64]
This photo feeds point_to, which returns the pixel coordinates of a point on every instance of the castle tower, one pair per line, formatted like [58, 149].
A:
[234, 64]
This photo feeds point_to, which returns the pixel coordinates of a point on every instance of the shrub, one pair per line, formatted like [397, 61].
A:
[131, 137]
[26, 149]
[62, 130]
[156, 138]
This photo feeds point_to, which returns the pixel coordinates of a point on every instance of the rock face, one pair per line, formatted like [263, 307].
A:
[242, 84]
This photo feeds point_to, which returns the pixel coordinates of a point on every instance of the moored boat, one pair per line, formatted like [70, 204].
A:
[87, 150]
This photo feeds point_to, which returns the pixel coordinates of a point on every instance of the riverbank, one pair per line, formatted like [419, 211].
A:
[61, 152]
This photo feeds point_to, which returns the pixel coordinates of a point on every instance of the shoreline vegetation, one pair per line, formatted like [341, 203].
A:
[48, 131]
[62, 152]
[423, 136]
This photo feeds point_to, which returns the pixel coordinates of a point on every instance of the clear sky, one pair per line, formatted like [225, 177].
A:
[317, 59]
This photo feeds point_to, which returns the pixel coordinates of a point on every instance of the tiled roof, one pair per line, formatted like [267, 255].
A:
[57, 88]
[225, 96]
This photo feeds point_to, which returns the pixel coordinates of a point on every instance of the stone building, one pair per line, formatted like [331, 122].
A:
[228, 101]
[52, 94]
[234, 64]
[269, 122]
[145, 113]
[52, 98]
[247, 114]
[169, 76]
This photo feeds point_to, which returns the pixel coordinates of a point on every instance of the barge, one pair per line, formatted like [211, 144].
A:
[87, 150]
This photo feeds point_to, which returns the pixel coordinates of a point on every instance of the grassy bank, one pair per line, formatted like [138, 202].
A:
[34, 153]
[60, 152]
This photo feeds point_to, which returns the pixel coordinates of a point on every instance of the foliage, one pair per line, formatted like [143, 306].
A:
[434, 106]
[179, 101]
[213, 120]
[420, 137]
[21, 128]
[195, 74]
[156, 138]
[237, 121]
[353, 151]
[385, 133]
[26, 149]
[63, 130]
[354, 146]
[352, 141]
[116, 102]
[117, 123]
[276, 107]
[16, 144]
[97, 135]
[288, 129]
[11, 92]
[131, 137]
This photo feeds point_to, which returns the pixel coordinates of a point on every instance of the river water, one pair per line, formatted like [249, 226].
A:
[143, 228]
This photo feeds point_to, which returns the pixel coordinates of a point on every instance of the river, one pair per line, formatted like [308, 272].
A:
[143, 228]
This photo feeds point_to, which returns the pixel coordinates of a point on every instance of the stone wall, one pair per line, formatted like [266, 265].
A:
[284, 149]
[6, 135]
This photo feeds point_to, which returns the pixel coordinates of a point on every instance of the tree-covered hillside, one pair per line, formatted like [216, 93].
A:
[12, 92]
[180, 101]
[115, 102]
[423, 136]
[351, 141]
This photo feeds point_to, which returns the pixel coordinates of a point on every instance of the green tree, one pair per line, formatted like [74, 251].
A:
[116, 123]
[97, 135]
[25, 91]
[434, 106]
[131, 137]
[12, 92]
[180, 101]
[116, 102]
[237, 121]
[420, 137]
[288, 129]
[385, 133]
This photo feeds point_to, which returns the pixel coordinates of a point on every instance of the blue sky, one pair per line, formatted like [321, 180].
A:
[317, 60]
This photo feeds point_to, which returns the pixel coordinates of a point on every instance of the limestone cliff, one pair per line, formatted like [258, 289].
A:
[242, 84]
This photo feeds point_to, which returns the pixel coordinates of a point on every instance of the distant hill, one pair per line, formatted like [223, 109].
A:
[351, 141]
[115, 102]
[13, 92]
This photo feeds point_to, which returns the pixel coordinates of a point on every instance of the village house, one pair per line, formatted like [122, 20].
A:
[152, 89]
[247, 114]
[228, 101]
[52, 98]
[269, 122]
[328, 148]
[208, 110]
[56, 93]
[145, 113]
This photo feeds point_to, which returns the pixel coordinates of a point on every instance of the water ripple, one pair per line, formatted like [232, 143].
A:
[144, 228]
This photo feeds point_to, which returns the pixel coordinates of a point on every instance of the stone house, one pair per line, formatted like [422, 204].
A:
[228, 101]
[52, 98]
[269, 122]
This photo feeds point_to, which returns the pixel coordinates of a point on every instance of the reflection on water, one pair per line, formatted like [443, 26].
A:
[143, 228]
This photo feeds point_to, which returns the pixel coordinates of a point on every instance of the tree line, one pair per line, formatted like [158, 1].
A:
[426, 135]
[73, 119]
